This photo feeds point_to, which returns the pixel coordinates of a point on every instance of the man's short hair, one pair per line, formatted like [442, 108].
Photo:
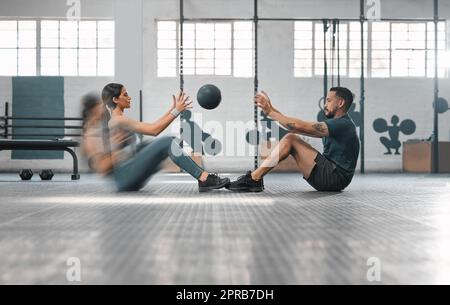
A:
[344, 94]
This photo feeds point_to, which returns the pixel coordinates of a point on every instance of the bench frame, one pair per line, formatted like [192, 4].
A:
[48, 145]
[44, 145]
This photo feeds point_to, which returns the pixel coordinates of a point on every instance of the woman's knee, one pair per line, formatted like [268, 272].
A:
[167, 140]
[163, 143]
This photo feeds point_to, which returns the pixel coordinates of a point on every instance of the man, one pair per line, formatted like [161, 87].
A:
[331, 171]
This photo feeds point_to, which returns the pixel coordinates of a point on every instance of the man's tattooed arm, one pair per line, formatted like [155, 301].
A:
[319, 127]
[312, 129]
[291, 126]
[319, 130]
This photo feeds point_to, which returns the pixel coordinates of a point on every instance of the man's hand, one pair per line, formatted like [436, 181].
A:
[262, 100]
[181, 102]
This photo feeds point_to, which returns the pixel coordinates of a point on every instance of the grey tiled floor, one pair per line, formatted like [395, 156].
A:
[170, 234]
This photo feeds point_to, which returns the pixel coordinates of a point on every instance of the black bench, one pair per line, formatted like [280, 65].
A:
[28, 141]
[58, 145]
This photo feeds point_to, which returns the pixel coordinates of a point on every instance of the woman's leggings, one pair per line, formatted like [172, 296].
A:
[133, 174]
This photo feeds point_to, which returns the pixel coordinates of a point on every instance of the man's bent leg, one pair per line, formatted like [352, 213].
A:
[305, 155]
[291, 144]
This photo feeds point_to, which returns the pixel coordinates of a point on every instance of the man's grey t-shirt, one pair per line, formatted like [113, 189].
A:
[342, 145]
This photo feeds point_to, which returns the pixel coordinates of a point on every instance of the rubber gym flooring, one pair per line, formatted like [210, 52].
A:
[170, 234]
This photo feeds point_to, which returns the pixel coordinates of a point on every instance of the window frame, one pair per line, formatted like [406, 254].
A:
[319, 42]
[38, 49]
[18, 48]
[369, 64]
[232, 50]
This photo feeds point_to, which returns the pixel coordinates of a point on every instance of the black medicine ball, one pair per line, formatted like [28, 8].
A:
[209, 97]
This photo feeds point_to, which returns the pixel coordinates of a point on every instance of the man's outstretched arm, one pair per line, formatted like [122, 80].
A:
[312, 129]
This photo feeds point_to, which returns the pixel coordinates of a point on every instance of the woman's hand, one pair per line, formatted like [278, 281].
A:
[181, 102]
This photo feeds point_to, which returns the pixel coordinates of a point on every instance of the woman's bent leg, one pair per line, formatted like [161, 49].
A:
[179, 157]
[133, 174]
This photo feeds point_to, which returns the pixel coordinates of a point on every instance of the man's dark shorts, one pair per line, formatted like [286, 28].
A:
[325, 176]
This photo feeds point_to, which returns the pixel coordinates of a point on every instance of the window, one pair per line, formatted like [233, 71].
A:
[167, 44]
[381, 46]
[243, 49]
[223, 49]
[354, 52]
[442, 46]
[309, 46]
[207, 49]
[406, 49]
[65, 48]
[331, 55]
[303, 61]
[397, 49]
[77, 48]
[17, 48]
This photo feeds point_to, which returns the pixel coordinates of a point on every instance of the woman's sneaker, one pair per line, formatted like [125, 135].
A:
[246, 184]
[213, 182]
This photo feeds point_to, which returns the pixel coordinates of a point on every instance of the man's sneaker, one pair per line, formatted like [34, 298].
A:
[213, 182]
[246, 184]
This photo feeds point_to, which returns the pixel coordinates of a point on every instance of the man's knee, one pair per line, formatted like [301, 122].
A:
[298, 146]
[290, 138]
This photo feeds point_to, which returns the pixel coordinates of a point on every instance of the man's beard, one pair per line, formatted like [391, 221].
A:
[328, 114]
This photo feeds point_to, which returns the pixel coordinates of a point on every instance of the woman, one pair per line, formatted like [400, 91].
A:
[132, 164]
[94, 134]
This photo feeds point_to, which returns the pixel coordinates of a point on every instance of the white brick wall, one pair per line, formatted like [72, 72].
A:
[408, 98]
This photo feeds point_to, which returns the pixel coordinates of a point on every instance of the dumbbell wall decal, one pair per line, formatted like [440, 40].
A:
[407, 127]
[442, 105]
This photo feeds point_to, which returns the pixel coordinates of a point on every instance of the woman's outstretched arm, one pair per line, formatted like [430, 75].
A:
[180, 104]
